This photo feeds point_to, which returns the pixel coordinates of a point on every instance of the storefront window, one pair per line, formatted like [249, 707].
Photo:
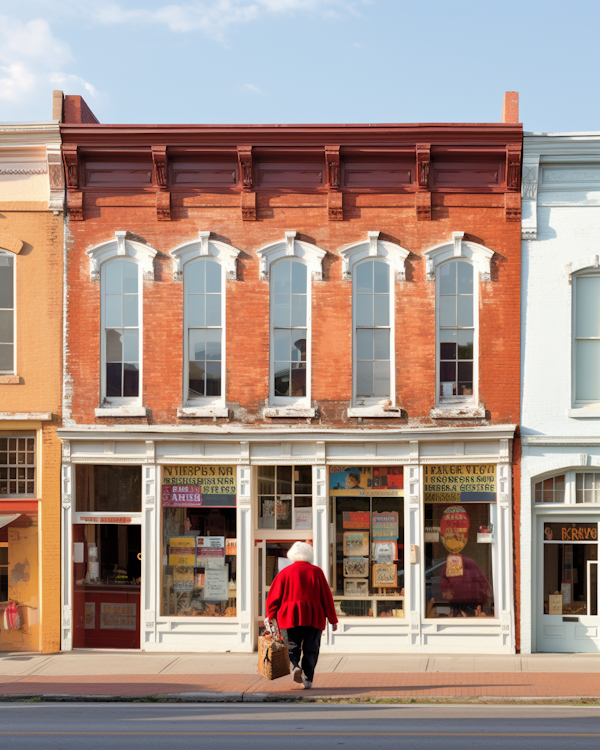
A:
[368, 570]
[458, 536]
[17, 466]
[285, 497]
[108, 489]
[199, 547]
[19, 582]
[570, 569]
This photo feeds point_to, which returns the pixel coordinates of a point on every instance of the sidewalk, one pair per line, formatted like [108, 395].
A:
[233, 677]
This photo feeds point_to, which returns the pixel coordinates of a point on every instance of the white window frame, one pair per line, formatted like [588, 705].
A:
[570, 473]
[480, 258]
[395, 256]
[6, 254]
[312, 257]
[583, 268]
[143, 256]
[226, 256]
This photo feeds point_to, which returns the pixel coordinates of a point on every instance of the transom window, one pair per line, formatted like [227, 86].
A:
[551, 490]
[289, 325]
[372, 329]
[204, 318]
[569, 487]
[456, 329]
[587, 338]
[7, 314]
[285, 497]
[17, 466]
[587, 487]
[121, 329]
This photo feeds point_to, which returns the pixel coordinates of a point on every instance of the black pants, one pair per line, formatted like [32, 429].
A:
[306, 641]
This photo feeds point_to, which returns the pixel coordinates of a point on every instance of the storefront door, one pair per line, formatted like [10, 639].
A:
[107, 572]
[567, 586]
[271, 557]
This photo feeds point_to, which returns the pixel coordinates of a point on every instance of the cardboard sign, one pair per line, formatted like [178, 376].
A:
[182, 550]
[460, 483]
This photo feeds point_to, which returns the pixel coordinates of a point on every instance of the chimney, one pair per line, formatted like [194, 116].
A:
[57, 105]
[510, 110]
[76, 111]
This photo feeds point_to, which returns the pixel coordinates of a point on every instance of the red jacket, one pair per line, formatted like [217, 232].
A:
[300, 595]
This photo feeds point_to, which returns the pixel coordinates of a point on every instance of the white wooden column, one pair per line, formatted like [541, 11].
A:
[504, 559]
[150, 598]
[412, 539]
[245, 556]
[320, 519]
[66, 549]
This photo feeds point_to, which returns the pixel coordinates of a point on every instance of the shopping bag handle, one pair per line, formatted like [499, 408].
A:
[272, 629]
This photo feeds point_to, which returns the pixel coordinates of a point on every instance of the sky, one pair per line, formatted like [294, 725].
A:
[303, 61]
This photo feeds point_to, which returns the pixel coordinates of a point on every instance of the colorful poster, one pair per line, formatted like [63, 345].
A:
[356, 519]
[356, 543]
[182, 550]
[118, 616]
[231, 546]
[210, 546]
[384, 552]
[460, 483]
[376, 481]
[385, 526]
[183, 579]
[215, 584]
[199, 486]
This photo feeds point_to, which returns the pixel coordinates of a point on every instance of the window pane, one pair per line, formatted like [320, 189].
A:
[381, 282]
[113, 311]
[113, 277]
[6, 326]
[447, 372]
[465, 278]
[114, 346]
[281, 344]
[588, 371]
[213, 378]
[213, 309]
[213, 344]
[195, 275]
[284, 512]
[299, 272]
[197, 344]
[284, 480]
[298, 310]
[281, 310]
[6, 281]
[196, 379]
[465, 372]
[364, 379]
[364, 310]
[364, 343]
[298, 380]
[282, 378]
[130, 310]
[381, 379]
[465, 344]
[196, 308]
[587, 306]
[130, 346]
[6, 357]
[382, 309]
[382, 344]
[447, 351]
[448, 336]
[447, 311]
[303, 481]
[299, 345]
[131, 379]
[266, 518]
[213, 277]
[130, 277]
[538, 492]
[113, 379]
[281, 278]
[588, 481]
[465, 311]
[447, 278]
[363, 278]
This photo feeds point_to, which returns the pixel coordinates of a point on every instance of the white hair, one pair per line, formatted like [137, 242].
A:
[301, 552]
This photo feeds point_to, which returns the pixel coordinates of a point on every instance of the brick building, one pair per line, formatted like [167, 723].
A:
[290, 332]
[31, 250]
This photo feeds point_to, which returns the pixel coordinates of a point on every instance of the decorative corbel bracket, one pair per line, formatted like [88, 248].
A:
[529, 192]
[71, 159]
[423, 195]
[513, 166]
[245, 160]
[56, 178]
[159, 162]
[335, 209]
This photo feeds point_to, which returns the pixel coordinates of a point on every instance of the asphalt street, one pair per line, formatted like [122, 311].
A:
[96, 726]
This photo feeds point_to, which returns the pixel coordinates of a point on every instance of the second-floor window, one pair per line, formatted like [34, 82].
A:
[7, 314]
[204, 330]
[456, 330]
[587, 339]
[121, 330]
[289, 331]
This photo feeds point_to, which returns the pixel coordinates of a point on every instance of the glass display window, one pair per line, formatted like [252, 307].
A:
[285, 497]
[108, 489]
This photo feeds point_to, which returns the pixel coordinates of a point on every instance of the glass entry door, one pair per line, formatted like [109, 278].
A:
[107, 570]
[271, 557]
[567, 579]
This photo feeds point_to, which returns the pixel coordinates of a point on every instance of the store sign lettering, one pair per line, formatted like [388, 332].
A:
[199, 486]
[460, 483]
[588, 533]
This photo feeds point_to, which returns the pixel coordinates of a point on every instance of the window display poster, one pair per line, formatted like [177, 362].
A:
[231, 546]
[555, 604]
[566, 591]
[211, 546]
[182, 550]
[199, 486]
[378, 481]
[215, 584]
[460, 483]
[384, 552]
[385, 526]
[90, 616]
[183, 579]
[356, 519]
[302, 518]
[118, 616]
[356, 543]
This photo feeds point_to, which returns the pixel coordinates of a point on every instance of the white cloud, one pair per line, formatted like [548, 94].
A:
[33, 60]
[252, 87]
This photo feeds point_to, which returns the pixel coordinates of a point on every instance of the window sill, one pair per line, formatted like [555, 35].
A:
[10, 380]
[584, 412]
[458, 411]
[377, 412]
[128, 410]
[202, 411]
[289, 411]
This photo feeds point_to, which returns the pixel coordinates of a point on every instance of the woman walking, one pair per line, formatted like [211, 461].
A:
[300, 600]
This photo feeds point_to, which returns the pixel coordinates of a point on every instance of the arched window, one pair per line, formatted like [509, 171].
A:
[203, 320]
[586, 338]
[372, 331]
[121, 330]
[7, 314]
[456, 330]
[289, 327]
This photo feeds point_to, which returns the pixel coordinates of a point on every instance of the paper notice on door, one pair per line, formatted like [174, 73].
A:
[215, 584]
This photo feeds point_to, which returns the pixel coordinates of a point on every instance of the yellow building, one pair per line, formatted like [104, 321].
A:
[31, 275]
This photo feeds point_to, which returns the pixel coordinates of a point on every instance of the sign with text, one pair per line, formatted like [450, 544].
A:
[182, 550]
[385, 526]
[376, 481]
[118, 616]
[199, 486]
[215, 584]
[460, 483]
